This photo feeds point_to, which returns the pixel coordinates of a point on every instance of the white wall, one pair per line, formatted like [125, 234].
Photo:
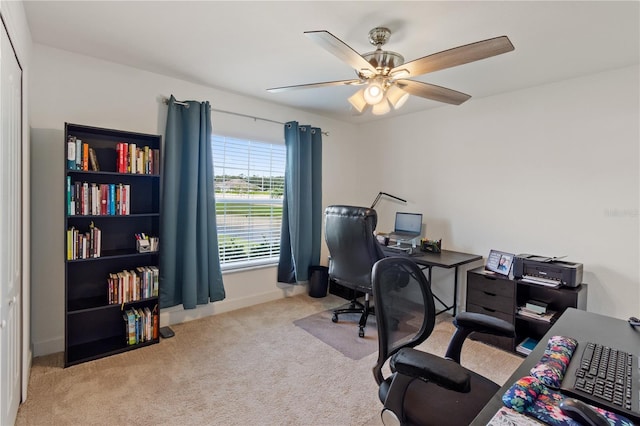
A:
[72, 88]
[551, 170]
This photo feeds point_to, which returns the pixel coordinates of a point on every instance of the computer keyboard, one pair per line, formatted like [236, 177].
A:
[607, 374]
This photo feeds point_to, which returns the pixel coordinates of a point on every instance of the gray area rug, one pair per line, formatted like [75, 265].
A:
[343, 335]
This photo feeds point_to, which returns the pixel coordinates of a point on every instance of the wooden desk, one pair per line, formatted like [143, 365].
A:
[581, 325]
[446, 259]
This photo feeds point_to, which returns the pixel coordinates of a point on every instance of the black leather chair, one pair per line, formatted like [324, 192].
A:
[353, 251]
[424, 389]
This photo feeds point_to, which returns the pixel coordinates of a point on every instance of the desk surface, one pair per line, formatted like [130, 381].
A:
[445, 259]
[581, 325]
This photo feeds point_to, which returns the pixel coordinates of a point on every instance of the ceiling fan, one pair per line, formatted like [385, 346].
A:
[386, 76]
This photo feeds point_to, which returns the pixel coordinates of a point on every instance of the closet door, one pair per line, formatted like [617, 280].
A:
[10, 230]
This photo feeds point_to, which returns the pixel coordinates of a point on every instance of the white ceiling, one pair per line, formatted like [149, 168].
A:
[247, 47]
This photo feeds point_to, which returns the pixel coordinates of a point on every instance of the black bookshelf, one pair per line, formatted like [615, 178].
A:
[95, 328]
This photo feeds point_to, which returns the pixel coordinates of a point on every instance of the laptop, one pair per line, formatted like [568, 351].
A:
[407, 227]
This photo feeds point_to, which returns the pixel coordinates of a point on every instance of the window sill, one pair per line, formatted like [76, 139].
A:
[247, 266]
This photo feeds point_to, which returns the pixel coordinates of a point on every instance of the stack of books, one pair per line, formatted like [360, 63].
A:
[526, 346]
[538, 310]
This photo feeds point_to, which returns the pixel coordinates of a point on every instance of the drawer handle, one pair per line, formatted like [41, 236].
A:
[488, 309]
[489, 294]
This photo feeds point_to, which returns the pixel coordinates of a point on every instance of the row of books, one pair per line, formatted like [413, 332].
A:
[102, 199]
[80, 155]
[84, 245]
[138, 160]
[141, 325]
[129, 286]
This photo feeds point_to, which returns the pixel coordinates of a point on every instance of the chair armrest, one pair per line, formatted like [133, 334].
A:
[468, 322]
[484, 324]
[443, 372]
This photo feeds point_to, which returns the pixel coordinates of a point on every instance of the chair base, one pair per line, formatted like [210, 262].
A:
[356, 307]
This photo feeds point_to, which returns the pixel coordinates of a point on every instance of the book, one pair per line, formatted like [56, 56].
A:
[536, 306]
[526, 346]
[93, 159]
[78, 154]
[127, 199]
[148, 331]
[131, 329]
[85, 156]
[156, 322]
[132, 158]
[71, 153]
[112, 199]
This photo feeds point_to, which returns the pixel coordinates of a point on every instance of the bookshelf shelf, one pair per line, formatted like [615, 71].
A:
[117, 206]
[80, 306]
[97, 349]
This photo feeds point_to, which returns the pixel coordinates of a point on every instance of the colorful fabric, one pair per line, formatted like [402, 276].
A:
[553, 364]
[535, 396]
[532, 398]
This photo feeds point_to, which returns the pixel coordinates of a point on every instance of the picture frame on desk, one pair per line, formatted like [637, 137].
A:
[499, 262]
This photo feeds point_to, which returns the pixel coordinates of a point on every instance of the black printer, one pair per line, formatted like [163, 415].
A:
[547, 270]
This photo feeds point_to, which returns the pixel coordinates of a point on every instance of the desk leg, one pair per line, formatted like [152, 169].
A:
[453, 307]
[435, 296]
[455, 291]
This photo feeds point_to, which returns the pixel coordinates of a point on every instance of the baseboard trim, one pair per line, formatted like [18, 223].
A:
[177, 315]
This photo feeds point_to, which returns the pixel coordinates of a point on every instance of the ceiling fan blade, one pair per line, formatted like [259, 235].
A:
[355, 82]
[433, 92]
[456, 56]
[340, 49]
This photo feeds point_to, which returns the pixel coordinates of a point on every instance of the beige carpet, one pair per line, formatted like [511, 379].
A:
[248, 367]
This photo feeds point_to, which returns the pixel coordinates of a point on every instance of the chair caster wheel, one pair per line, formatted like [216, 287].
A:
[334, 318]
[361, 333]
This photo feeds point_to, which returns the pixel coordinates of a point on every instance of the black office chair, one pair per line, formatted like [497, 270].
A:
[353, 251]
[424, 389]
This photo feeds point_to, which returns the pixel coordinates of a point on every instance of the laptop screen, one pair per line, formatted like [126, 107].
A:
[408, 223]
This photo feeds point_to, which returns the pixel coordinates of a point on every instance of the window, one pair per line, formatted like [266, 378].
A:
[249, 185]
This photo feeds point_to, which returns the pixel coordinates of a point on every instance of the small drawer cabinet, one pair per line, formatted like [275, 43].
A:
[492, 295]
[499, 296]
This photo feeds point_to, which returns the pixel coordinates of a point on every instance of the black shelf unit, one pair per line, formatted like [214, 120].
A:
[500, 296]
[93, 327]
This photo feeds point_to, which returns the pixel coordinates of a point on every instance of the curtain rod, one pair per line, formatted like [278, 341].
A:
[166, 101]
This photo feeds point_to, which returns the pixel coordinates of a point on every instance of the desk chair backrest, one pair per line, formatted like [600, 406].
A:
[405, 311]
[352, 245]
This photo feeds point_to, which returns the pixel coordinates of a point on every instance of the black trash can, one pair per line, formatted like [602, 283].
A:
[318, 281]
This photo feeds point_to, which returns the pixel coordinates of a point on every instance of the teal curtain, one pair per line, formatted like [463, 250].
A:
[302, 204]
[189, 263]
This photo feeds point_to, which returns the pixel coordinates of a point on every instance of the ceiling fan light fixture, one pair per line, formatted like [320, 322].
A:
[357, 101]
[373, 93]
[381, 108]
[401, 73]
[396, 96]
